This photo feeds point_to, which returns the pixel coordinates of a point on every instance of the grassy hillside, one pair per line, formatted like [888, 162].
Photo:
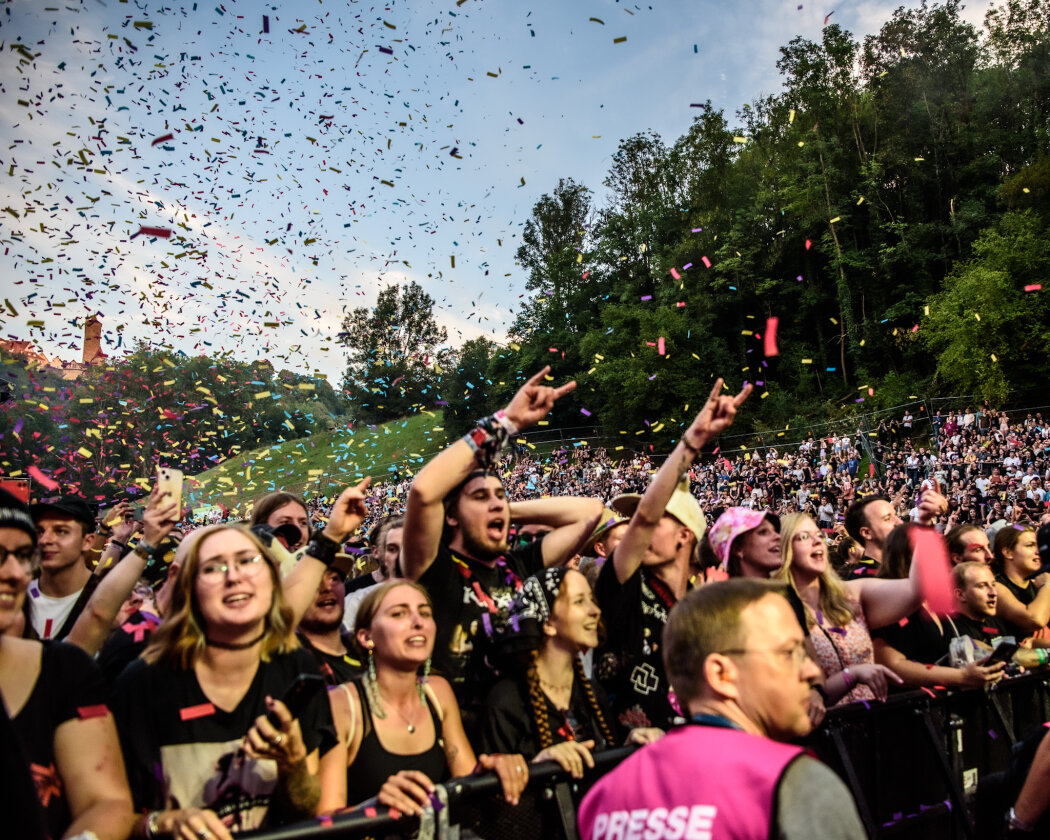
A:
[322, 463]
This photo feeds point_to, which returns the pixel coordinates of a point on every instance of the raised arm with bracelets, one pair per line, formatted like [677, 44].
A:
[301, 583]
[716, 416]
[425, 514]
[94, 624]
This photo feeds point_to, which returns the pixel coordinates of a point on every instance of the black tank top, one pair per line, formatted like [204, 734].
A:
[1025, 594]
[374, 764]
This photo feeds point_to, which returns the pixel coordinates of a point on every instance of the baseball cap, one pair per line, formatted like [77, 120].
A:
[682, 506]
[71, 505]
[731, 524]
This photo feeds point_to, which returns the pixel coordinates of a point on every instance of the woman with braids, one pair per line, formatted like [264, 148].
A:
[399, 727]
[546, 708]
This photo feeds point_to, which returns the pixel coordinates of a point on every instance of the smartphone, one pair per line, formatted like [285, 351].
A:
[299, 695]
[1004, 652]
[170, 481]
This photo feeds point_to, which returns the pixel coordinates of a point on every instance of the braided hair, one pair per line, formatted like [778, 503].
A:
[592, 699]
[538, 701]
[539, 704]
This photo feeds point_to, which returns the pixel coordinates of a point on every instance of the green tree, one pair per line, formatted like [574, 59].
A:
[391, 351]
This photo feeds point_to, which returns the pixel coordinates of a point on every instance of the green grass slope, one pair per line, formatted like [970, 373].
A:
[323, 463]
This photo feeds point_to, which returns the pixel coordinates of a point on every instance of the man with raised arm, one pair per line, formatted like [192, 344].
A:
[455, 540]
[648, 574]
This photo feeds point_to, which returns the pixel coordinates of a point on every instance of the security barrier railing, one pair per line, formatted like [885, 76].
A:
[924, 764]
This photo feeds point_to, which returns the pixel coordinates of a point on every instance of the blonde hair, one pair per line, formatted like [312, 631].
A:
[835, 605]
[180, 640]
[370, 604]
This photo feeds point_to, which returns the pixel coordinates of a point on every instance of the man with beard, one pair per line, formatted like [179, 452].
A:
[320, 631]
[455, 541]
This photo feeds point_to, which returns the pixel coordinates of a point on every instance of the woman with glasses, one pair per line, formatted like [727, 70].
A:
[54, 718]
[839, 613]
[545, 707]
[210, 749]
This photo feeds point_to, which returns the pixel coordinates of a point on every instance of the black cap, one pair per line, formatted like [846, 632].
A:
[14, 514]
[75, 507]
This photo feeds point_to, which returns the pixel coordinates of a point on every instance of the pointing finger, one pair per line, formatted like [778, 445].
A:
[716, 390]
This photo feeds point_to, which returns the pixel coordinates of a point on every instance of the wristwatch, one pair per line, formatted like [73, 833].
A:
[146, 551]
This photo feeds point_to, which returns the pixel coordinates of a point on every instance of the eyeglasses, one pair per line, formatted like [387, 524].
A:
[24, 556]
[215, 570]
[806, 536]
[797, 655]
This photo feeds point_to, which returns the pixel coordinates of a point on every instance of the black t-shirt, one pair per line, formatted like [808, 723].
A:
[125, 644]
[918, 637]
[69, 686]
[183, 752]
[471, 603]
[629, 664]
[1025, 594]
[983, 629]
[335, 668]
[510, 726]
[864, 568]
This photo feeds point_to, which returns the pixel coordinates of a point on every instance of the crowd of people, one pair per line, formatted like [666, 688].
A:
[173, 678]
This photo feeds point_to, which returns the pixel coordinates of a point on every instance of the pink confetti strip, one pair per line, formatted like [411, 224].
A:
[770, 341]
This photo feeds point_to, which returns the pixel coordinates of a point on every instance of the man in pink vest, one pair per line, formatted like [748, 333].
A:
[735, 656]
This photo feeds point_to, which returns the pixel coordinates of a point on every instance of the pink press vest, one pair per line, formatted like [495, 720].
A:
[695, 783]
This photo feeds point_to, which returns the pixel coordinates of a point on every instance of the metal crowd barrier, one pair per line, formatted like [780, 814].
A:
[924, 764]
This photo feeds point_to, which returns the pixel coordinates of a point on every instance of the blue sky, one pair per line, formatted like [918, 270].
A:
[312, 165]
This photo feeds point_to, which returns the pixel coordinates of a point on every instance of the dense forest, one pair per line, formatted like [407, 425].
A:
[889, 209]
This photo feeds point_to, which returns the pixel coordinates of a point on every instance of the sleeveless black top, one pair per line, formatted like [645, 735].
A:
[1025, 595]
[373, 764]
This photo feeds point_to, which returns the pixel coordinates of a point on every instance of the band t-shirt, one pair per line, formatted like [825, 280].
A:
[471, 603]
[629, 664]
[181, 751]
[70, 686]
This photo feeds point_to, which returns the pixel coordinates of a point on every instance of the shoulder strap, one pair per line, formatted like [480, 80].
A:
[353, 714]
[432, 697]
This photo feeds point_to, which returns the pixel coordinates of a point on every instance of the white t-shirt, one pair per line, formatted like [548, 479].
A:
[49, 614]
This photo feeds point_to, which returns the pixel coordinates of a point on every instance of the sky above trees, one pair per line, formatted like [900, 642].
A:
[236, 177]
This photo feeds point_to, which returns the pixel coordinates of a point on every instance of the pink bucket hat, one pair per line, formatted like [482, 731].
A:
[731, 524]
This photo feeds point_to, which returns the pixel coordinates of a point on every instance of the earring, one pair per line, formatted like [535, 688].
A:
[372, 687]
[421, 683]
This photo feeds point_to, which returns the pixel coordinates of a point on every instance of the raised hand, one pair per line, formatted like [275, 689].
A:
[534, 400]
[348, 512]
[715, 417]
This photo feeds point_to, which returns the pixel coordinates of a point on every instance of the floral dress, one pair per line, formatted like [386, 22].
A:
[838, 648]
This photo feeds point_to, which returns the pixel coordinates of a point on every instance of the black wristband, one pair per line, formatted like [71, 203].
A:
[323, 548]
[119, 544]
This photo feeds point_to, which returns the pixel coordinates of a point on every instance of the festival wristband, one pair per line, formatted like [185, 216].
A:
[487, 440]
[323, 548]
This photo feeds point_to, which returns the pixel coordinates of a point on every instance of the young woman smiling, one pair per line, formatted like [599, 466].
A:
[546, 708]
[839, 613]
[399, 727]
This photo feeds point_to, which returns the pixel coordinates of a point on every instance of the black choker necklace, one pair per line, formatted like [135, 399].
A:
[234, 645]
